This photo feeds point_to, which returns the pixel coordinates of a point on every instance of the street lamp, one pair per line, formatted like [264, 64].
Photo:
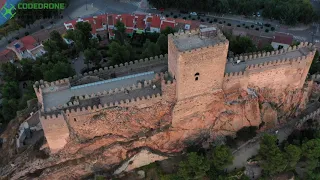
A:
[86, 4]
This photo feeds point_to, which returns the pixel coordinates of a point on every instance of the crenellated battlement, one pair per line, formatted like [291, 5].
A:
[219, 44]
[125, 66]
[279, 62]
[253, 56]
[126, 102]
[196, 40]
[67, 105]
[44, 84]
[234, 74]
[51, 117]
[269, 64]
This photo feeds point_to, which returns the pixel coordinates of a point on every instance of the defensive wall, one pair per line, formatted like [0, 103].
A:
[198, 75]
[41, 87]
[279, 74]
[307, 117]
[197, 61]
[72, 116]
[123, 68]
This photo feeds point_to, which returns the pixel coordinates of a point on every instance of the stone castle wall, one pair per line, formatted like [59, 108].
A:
[56, 131]
[123, 68]
[280, 74]
[199, 70]
[182, 98]
[97, 119]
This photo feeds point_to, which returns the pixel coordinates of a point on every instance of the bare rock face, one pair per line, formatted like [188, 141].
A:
[268, 114]
[111, 138]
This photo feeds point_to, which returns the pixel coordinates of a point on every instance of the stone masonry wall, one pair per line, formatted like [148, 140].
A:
[56, 131]
[94, 121]
[123, 68]
[209, 63]
[280, 74]
[118, 118]
[173, 57]
[291, 74]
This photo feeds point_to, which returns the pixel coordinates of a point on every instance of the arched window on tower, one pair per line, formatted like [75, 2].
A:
[196, 76]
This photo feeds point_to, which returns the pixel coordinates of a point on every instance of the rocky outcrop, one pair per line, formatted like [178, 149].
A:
[126, 138]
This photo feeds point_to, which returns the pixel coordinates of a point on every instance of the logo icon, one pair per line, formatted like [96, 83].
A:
[8, 12]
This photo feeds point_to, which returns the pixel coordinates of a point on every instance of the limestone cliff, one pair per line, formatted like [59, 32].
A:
[134, 136]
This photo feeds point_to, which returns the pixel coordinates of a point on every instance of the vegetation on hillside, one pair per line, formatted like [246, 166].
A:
[287, 11]
[51, 66]
[301, 151]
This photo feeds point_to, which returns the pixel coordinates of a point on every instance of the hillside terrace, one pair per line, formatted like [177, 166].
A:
[59, 98]
[294, 54]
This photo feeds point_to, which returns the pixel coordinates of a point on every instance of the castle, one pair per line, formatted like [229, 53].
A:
[94, 104]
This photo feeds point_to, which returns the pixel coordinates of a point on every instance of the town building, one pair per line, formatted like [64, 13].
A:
[27, 47]
[281, 40]
[7, 56]
[91, 105]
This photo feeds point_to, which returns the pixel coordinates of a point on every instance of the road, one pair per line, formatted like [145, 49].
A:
[251, 148]
[87, 8]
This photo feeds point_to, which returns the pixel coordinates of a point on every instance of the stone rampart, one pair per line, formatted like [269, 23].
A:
[278, 74]
[116, 90]
[56, 131]
[67, 105]
[54, 86]
[123, 103]
[253, 56]
[307, 117]
[222, 40]
[235, 81]
[121, 68]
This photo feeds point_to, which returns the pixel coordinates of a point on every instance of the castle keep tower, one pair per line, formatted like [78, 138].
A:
[197, 61]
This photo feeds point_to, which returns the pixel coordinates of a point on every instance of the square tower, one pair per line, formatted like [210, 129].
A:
[197, 61]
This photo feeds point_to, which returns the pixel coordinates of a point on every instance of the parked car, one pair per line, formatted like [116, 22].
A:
[161, 9]
[153, 8]
[193, 13]
[258, 14]
[201, 14]
[184, 12]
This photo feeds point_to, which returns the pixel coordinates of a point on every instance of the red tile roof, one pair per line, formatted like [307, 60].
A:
[167, 24]
[127, 20]
[110, 19]
[156, 22]
[95, 21]
[27, 42]
[6, 55]
[283, 38]
[139, 19]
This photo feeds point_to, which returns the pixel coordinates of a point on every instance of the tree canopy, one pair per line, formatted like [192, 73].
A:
[195, 167]
[221, 157]
[286, 11]
[271, 157]
[162, 42]
[150, 49]
[118, 53]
